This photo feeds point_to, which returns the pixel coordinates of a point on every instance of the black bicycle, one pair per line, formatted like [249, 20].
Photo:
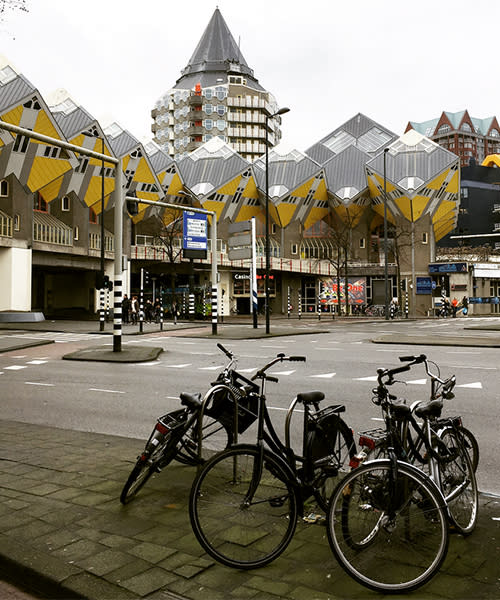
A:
[388, 520]
[245, 501]
[203, 427]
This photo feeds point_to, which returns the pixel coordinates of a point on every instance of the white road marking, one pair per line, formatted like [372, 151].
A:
[371, 378]
[20, 356]
[247, 370]
[16, 367]
[324, 375]
[211, 368]
[38, 383]
[418, 381]
[106, 391]
[283, 372]
[476, 385]
[183, 366]
[36, 362]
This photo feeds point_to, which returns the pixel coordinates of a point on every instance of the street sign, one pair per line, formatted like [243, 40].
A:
[240, 227]
[237, 241]
[239, 253]
[194, 231]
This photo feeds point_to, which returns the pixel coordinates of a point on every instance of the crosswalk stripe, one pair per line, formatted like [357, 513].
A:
[476, 384]
[324, 375]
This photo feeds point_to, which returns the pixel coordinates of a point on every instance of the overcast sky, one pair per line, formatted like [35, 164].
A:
[327, 60]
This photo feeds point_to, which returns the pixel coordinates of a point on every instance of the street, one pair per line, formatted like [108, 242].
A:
[125, 399]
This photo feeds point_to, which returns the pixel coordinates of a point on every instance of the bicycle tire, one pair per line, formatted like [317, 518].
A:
[386, 554]
[234, 532]
[340, 449]
[215, 438]
[146, 465]
[471, 445]
[458, 481]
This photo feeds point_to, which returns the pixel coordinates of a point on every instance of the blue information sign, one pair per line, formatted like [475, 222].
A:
[195, 231]
[448, 268]
[424, 285]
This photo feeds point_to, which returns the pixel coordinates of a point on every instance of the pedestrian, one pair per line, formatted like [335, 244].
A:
[465, 305]
[454, 307]
[148, 311]
[157, 310]
[134, 310]
[126, 309]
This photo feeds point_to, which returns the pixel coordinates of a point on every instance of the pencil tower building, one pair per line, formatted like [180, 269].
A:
[217, 95]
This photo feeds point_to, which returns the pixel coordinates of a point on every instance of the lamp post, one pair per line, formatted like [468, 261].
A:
[386, 276]
[281, 111]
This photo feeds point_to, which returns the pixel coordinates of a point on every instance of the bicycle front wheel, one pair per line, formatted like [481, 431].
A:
[241, 519]
[387, 526]
[458, 482]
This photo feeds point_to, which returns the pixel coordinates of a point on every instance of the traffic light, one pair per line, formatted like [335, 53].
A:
[132, 205]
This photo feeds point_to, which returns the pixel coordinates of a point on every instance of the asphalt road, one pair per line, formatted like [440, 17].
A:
[125, 399]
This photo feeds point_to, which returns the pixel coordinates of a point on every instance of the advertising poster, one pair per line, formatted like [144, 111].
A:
[356, 291]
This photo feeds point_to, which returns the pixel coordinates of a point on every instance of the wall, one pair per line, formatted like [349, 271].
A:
[15, 279]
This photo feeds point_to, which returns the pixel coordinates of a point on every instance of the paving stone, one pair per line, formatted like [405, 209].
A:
[104, 562]
[79, 550]
[151, 552]
[149, 581]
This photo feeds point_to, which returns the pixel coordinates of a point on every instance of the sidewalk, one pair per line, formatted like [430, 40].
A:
[65, 533]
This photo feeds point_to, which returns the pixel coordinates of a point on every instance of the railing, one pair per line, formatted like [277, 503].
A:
[95, 242]
[295, 265]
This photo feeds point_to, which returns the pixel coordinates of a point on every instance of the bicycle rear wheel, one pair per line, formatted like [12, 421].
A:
[238, 528]
[458, 482]
[330, 453]
[387, 528]
[470, 444]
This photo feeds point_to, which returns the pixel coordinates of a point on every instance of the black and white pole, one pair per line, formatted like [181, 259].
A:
[184, 305]
[289, 303]
[253, 282]
[117, 288]
[191, 306]
[406, 305]
[319, 300]
[299, 302]
[161, 309]
[107, 305]
[141, 303]
[101, 310]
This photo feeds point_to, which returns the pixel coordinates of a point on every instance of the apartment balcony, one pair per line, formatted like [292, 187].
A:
[195, 100]
[49, 230]
[195, 130]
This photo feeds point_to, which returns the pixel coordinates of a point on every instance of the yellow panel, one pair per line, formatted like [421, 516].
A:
[273, 213]
[389, 187]
[379, 209]
[251, 190]
[216, 207]
[435, 184]
[351, 214]
[93, 194]
[51, 192]
[230, 188]
[302, 190]
[13, 116]
[45, 126]
[315, 215]
[452, 187]
[247, 212]
[143, 173]
[125, 161]
[175, 185]
[405, 206]
[45, 170]
[444, 220]
[321, 192]
[374, 192]
[286, 211]
[491, 160]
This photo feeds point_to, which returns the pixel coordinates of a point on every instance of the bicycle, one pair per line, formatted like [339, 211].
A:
[389, 512]
[245, 501]
[203, 427]
[437, 444]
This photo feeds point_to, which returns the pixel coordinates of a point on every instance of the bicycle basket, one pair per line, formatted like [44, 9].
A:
[221, 407]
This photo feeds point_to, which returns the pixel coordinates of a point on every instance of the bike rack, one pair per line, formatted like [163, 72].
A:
[204, 402]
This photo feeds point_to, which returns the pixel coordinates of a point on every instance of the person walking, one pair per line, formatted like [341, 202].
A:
[465, 305]
[126, 309]
[454, 307]
[134, 310]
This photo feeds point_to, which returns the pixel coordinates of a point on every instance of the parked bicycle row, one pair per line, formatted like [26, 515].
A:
[389, 504]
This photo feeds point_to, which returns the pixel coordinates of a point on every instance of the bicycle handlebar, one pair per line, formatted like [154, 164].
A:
[261, 373]
[226, 352]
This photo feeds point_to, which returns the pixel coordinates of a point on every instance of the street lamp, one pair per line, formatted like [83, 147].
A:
[281, 111]
[386, 276]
